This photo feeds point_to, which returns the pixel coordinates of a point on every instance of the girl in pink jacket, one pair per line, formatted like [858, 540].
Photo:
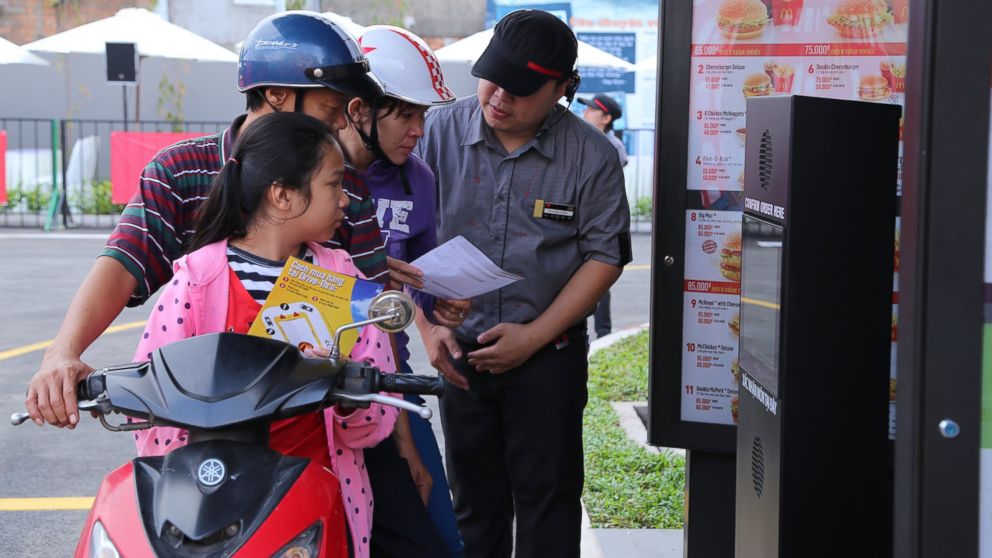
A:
[277, 196]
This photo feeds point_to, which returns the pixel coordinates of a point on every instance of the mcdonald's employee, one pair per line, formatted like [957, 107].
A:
[602, 111]
[541, 193]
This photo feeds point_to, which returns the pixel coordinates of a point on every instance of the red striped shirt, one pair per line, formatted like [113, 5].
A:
[159, 218]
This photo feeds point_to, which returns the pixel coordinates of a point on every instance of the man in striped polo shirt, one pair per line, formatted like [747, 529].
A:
[160, 217]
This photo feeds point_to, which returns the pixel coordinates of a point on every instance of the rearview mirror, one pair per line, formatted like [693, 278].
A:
[399, 308]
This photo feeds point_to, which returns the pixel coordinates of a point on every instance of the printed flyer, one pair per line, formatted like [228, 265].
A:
[308, 303]
[842, 49]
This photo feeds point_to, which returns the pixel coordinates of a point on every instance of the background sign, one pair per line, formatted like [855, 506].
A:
[604, 80]
[130, 152]
[627, 29]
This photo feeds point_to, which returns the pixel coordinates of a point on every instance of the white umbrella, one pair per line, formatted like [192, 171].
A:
[346, 23]
[152, 36]
[10, 53]
[469, 49]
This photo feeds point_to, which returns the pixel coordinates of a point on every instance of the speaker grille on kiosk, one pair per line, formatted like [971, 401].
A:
[765, 160]
[757, 466]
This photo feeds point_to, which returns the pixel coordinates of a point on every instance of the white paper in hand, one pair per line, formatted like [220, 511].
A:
[458, 270]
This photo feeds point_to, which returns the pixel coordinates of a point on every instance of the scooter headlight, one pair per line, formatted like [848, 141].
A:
[304, 545]
[100, 544]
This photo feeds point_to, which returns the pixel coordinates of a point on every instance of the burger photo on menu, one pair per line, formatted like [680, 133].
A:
[730, 258]
[757, 85]
[742, 19]
[735, 324]
[874, 88]
[860, 19]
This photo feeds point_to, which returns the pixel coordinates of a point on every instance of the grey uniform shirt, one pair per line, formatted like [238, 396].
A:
[539, 212]
[618, 144]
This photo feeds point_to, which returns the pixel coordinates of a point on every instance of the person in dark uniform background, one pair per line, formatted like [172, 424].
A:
[602, 111]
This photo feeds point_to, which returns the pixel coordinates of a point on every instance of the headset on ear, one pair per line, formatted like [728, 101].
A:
[570, 90]
[573, 86]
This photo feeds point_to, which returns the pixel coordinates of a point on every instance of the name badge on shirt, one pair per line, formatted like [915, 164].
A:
[554, 211]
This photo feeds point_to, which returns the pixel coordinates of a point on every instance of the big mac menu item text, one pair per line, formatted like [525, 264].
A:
[711, 315]
[843, 49]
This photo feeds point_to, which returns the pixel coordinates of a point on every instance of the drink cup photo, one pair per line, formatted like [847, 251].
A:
[786, 12]
[900, 11]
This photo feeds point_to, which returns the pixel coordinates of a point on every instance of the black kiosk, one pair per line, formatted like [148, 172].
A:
[813, 458]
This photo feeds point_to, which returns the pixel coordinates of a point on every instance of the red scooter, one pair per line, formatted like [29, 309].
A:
[226, 493]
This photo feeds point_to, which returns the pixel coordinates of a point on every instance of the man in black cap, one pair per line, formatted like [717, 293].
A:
[602, 111]
[541, 194]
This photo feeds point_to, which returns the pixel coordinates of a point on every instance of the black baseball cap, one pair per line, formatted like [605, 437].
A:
[528, 48]
[604, 103]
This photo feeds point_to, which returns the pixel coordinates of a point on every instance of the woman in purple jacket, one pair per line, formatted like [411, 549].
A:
[378, 142]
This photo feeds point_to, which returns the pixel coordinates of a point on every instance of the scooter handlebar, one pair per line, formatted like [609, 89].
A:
[91, 387]
[412, 383]
[86, 390]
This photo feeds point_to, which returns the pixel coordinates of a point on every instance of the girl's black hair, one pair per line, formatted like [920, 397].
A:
[283, 147]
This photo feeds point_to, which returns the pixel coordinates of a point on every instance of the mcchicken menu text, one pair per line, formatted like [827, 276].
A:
[842, 49]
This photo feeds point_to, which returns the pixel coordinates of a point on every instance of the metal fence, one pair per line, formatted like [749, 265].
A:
[46, 188]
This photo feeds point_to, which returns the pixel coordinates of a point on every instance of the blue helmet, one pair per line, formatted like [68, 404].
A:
[304, 49]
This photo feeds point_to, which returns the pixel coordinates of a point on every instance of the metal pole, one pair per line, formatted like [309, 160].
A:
[710, 481]
[53, 201]
[64, 205]
[124, 94]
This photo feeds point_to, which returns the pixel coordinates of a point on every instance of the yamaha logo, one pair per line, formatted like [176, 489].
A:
[211, 472]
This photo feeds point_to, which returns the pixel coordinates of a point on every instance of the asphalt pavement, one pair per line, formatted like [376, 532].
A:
[40, 273]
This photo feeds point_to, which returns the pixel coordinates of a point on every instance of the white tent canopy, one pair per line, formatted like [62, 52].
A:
[346, 23]
[649, 64]
[10, 53]
[469, 49]
[152, 36]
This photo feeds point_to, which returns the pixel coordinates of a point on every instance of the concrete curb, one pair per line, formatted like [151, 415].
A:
[635, 429]
[589, 547]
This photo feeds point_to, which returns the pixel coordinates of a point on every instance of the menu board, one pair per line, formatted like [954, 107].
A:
[985, 456]
[711, 315]
[842, 49]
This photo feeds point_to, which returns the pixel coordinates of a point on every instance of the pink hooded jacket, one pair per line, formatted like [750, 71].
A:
[195, 303]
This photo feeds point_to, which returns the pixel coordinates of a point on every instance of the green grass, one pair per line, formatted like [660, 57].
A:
[626, 485]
